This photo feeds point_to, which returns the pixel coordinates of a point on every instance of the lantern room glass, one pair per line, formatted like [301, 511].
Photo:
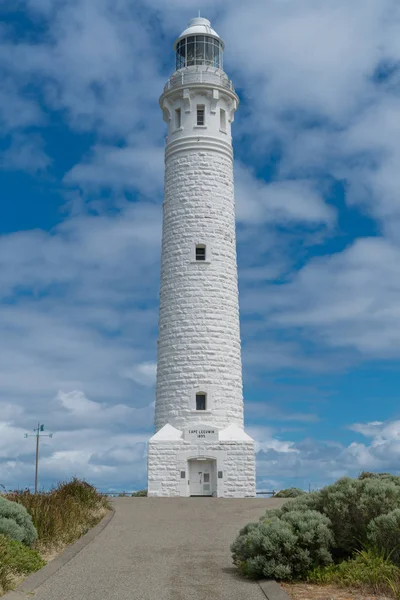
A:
[199, 50]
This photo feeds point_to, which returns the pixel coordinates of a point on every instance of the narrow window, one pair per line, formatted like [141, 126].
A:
[200, 114]
[178, 118]
[222, 115]
[200, 402]
[200, 252]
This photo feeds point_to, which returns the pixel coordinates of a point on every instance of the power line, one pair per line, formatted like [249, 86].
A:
[37, 435]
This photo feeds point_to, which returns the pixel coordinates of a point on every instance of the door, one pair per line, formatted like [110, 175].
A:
[200, 478]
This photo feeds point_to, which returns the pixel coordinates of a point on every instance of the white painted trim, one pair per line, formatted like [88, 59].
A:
[204, 143]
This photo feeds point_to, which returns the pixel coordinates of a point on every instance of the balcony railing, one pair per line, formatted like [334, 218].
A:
[186, 77]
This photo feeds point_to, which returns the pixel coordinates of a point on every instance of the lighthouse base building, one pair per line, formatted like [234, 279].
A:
[181, 463]
[200, 447]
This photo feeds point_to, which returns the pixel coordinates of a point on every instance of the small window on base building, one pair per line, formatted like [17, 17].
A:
[200, 252]
[200, 401]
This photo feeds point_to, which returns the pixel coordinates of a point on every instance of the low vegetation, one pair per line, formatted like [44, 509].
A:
[347, 533]
[368, 570]
[290, 493]
[141, 493]
[32, 526]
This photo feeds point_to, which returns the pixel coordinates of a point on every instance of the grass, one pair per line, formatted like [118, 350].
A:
[64, 514]
[368, 570]
[61, 516]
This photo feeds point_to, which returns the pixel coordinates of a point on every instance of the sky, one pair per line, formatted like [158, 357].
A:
[317, 155]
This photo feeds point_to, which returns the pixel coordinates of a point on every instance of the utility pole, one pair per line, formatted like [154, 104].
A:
[38, 436]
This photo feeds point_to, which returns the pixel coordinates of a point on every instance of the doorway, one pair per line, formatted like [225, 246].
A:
[201, 477]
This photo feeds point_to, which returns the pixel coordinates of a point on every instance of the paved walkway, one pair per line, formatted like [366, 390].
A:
[162, 549]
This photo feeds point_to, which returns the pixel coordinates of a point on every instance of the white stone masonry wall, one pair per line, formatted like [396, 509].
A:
[238, 468]
[199, 334]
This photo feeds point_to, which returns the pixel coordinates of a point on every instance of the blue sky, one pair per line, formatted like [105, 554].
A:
[317, 149]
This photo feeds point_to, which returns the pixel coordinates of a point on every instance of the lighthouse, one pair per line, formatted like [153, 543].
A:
[199, 447]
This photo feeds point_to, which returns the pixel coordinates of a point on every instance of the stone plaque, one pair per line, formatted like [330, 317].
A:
[201, 433]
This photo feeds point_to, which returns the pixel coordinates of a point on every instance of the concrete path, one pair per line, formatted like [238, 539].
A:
[162, 549]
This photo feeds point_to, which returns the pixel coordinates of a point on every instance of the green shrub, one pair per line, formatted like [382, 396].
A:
[368, 568]
[355, 513]
[16, 559]
[140, 494]
[350, 505]
[5, 571]
[16, 522]
[11, 529]
[386, 476]
[384, 534]
[290, 493]
[23, 559]
[283, 548]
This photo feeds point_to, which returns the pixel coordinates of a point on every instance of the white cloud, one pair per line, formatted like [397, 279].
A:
[144, 373]
[25, 153]
[141, 168]
[73, 317]
[279, 202]
[349, 299]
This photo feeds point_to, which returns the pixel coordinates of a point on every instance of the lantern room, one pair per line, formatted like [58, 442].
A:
[199, 45]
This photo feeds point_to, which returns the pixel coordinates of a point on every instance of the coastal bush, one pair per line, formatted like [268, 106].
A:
[16, 559]
[384, 534]
[140, 494]
[290, 493]
[360, 515]
[350, 505]
[283, 548]
[16, 523]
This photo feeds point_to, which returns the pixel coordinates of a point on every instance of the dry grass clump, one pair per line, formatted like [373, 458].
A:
[60, 517]
[370, 571]
[65, 513]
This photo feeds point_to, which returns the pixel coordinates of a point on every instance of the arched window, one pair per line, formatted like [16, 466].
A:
[201, 401]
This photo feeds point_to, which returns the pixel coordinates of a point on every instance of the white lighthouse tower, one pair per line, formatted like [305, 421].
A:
[200, 447]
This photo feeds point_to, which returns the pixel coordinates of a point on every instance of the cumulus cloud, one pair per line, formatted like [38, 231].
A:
[319, 85]
[25, 153]
[322, 462]
[279, 202]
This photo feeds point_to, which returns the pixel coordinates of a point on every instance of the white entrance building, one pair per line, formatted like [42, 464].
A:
[200, 447]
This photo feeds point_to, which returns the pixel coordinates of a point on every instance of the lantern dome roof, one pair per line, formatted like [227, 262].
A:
[199, 26]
